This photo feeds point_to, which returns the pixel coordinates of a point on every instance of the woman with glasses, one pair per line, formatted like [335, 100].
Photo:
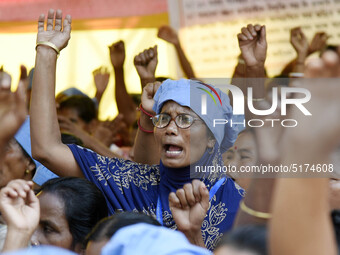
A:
[187, 141]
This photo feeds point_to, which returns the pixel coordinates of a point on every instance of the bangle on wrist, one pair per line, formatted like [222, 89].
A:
[49, 44]
[140, 108]
[254, 213]
[257, 99]
[241, 61]
[142, 129]
[300, 60]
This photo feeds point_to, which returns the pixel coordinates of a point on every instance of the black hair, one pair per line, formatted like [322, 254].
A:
[136, 98]
[84, 204]
[161, 78]
[247, 238]
[329, 47]
[336, 225]
[107, 227]
[84, 106]
[71, 139]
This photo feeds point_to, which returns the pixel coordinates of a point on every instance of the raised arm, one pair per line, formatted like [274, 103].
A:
[300, 43]
[146, 150]
[125, 104]
[101, 77]
[21, 211]
[146, 63]
[170, 35]
[47, 147]
[253, 45]
[256, 206]
[12, 111]
[318, 43]
[301, 221]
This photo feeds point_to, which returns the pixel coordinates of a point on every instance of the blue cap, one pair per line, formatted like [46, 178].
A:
[76, 92]
[41, 250]
[23, 137]
[149, 239]
[73, 92]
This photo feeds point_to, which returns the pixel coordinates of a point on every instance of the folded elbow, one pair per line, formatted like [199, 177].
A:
[39, 154]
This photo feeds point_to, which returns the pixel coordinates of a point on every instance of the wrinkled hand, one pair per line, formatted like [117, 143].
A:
[117, 125]
[318, 42]
[19, 206]
[103, 133]
[146, 63]
[59, 35]
[299, 41]
[12, 107]
[149, 92]
[68, 126]
[107, 131]
[101, 78]
[253, 45]
[168, 34]
[117, 54]
[189, 206]
[324, 106]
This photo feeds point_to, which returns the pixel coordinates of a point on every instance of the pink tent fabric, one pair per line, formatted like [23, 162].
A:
[29, 10]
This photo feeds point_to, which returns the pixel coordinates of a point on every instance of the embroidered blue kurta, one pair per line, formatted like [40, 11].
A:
[130, 186]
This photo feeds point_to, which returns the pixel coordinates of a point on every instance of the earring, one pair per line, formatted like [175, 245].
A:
[34, 243]
[212, 150]
[27, 171]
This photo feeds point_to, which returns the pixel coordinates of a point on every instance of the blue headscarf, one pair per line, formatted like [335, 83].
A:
[189, 93]
[41, 250]
[23, 137]
[148, 239]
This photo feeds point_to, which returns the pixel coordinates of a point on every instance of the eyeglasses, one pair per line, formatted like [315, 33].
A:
[183, 120]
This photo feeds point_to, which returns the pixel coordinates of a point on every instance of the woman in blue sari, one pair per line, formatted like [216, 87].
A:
[187, 141]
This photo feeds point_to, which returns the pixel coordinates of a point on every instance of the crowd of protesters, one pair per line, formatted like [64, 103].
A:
[72, 184]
